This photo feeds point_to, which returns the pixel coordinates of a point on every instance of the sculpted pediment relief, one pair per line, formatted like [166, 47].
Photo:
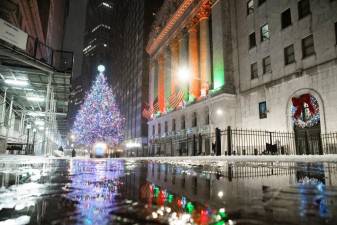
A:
[167, 10]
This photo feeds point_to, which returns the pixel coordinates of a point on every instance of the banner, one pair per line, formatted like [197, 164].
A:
[13, 35]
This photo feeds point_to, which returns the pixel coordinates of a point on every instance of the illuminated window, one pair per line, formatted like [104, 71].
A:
[265, 35]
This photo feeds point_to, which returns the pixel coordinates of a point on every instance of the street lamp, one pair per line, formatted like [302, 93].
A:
[101, 68]
[184, 74]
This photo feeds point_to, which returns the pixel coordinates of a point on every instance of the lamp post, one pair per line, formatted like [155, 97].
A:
[27, 142]
[34, 135]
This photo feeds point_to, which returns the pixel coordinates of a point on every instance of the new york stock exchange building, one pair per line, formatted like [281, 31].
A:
[237, 76]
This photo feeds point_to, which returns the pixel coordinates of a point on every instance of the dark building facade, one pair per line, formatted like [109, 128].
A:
[96, 37]
[131, 63]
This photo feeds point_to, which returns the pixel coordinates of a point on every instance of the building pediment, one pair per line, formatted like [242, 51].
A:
[169, 16]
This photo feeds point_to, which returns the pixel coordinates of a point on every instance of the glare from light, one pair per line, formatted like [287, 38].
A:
[36, 114]
[20, 83]
[100, 148]
[184, 74]
[220, 194]
[72, 137]
[39, 123]
[105, 45]
[101, 68]
[133, 145]
[219, 112]
[35, 98]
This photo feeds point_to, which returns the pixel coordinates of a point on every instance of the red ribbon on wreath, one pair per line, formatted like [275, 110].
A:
[298, 103]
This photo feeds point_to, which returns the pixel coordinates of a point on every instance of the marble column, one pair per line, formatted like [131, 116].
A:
[168, 74]
[152, 74]
[205, 53]
[193, 53]
[161, 82]
[174, 47]
[183, 61]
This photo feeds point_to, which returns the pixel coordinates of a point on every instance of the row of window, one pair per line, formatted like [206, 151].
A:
[303, 10]
[302, 5]
[182, 124]
[308, 49]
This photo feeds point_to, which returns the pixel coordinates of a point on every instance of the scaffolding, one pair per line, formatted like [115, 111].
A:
[34, 94]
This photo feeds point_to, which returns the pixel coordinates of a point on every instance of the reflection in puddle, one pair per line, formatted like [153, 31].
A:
[133, 192]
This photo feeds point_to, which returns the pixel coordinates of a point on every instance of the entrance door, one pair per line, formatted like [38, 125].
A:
[307, 126]
[308, 140]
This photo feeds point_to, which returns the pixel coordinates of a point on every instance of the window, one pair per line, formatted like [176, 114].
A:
[153, 130]
[261, 2]
[263, 110]
[252, 40]
[253, 71]
[174, 125]
[159, 129]
[308, 48]
[207, 117]
[265, 32]
[182, 125]
[266, 65]
[166, 127]
[336, 32]
[289, 55]
[250, 7]
[194, 120]
[303, 8]
[286, 19]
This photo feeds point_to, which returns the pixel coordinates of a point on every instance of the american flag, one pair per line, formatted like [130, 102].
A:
[156, 107]
[176, 98]
[147, 111]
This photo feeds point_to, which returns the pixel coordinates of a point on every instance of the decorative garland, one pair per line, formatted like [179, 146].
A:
[312, 111]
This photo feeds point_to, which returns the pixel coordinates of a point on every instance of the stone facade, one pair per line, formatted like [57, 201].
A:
[238, 38]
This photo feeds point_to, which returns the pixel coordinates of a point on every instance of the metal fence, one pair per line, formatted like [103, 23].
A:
[243, 142]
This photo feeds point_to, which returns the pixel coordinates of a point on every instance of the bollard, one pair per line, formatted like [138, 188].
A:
[218, 141]
[255, 151]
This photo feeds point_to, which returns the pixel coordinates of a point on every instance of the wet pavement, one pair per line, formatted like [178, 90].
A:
[84, 191]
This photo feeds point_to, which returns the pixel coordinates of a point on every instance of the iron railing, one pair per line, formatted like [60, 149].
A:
[59, 60]
[243, 142]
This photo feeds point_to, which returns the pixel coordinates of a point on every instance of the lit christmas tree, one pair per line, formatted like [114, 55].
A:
[99, 118]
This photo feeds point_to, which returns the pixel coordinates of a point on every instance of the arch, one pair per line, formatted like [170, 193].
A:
[319, 99]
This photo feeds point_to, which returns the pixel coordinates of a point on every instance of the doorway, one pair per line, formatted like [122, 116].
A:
[307, 125]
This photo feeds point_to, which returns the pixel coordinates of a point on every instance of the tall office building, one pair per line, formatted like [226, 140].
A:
[97, 38]
[131, 63]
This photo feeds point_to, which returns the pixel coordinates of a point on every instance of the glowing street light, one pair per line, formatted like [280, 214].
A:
[35, 98]
[101, 68]
[219, 112]
[184, 74]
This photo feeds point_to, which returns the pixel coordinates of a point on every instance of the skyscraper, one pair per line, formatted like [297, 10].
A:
[131, 62]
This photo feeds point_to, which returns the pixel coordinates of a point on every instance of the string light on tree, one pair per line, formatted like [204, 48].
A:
[99, 118]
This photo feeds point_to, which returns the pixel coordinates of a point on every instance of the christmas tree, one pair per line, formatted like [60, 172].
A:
[99, 119]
